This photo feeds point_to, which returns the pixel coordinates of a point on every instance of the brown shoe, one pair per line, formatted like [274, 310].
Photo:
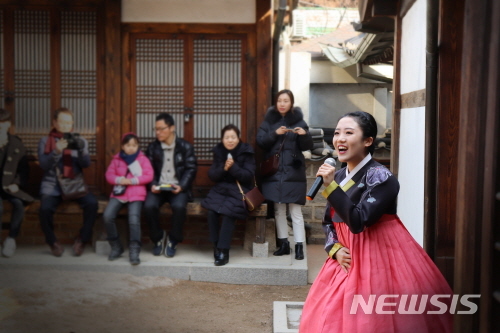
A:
[57, 249]
[78, 247]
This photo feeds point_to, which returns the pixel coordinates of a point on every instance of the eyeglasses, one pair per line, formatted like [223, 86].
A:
[160, 129]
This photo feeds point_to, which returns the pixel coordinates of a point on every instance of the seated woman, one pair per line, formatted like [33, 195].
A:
[370, 252]
[233, 162]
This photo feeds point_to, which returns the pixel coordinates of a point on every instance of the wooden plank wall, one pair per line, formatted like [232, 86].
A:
[448, 104]
[477, 263]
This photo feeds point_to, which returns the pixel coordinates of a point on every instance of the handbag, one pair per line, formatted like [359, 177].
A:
[270, 166]
[253, 198]
[72, 188]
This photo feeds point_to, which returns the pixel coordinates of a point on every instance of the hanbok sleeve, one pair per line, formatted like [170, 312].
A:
[381, 190]
[332, 244]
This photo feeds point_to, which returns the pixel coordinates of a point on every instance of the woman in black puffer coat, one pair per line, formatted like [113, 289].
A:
[233, 160]
[285, 124]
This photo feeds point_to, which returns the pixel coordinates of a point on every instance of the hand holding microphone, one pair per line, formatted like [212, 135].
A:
[319, 179]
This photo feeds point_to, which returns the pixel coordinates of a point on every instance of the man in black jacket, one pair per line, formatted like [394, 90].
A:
[14, 170]
[174, 165]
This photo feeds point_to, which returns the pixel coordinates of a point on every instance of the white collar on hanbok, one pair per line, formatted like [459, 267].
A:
[358, 167]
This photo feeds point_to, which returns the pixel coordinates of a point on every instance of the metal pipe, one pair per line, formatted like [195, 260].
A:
[431, 128]
[278, 26]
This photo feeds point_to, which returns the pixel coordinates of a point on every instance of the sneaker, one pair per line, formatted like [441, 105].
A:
[170, 248]
[158, 246]
[9, 247]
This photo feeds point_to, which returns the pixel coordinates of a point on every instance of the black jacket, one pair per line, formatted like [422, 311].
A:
[288, 185]
[184, 162]
[15, 168]
[225, 197]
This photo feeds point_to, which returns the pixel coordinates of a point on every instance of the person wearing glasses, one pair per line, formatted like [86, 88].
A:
[174, 165]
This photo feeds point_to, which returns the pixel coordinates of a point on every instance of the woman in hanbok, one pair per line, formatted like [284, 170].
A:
[376, 278]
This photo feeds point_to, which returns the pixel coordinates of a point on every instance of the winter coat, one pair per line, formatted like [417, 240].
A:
[118, 168]
[184, 162]
[15, 168]
[49, 162]
[225, 197]
[288, 185]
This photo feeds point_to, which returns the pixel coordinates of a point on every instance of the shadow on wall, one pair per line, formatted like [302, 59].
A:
[329, 101]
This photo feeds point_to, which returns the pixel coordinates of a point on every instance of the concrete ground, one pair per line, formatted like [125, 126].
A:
[43, 295]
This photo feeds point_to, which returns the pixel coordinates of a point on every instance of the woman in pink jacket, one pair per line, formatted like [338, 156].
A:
[130, 171]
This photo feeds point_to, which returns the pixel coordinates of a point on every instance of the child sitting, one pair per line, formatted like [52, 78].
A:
[130, 171]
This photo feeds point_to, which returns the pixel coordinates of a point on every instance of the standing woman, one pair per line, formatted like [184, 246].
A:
[284, 127]
[233, 162]
[371, 255]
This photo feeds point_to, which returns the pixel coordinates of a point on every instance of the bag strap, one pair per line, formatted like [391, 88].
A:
[239, 186]
[282, 143]
[241, 190]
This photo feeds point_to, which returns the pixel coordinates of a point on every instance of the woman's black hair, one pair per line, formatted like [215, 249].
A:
[289, 93]
[368, 125]
[129, 137]
[229, 128]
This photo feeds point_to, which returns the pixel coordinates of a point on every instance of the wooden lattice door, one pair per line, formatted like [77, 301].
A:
[198, 79]
[49, 60]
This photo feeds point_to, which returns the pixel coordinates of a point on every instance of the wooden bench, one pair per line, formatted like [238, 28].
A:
[193, 209]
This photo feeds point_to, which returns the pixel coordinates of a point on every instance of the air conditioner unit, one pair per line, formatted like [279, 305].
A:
[299, 24]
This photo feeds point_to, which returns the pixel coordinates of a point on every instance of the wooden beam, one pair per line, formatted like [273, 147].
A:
[396, 98]
[414, 99]
[263, 62]
[384, 8]
[264, 57]
[185, 28]
[112, 64]
[477, 170]
[449, 74]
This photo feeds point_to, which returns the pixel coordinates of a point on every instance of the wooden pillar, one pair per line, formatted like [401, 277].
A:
[264, 57]
[477, 262]
[112, 77]
[396, 97]
[449, 74]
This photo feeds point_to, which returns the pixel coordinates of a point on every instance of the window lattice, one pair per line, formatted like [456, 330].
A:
[78, 71]
[32, 75]
[159, 84]
[217, 91]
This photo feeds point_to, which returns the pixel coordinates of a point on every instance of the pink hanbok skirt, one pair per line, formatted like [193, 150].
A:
[387, 263]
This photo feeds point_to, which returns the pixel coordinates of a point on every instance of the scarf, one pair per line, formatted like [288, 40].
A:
[129, 159]
[50, 145]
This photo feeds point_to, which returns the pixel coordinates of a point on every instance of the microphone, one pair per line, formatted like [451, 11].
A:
[319, 181]
[229, 156]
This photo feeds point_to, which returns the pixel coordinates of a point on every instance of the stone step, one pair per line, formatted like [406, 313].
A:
[191, 262]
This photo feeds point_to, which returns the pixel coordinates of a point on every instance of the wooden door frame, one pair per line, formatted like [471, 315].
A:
[168, 28]
[478, 170]
[107, 70]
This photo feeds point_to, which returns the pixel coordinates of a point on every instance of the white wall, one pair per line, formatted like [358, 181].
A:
[300, 72]
[413, 48]
[189, 11]
[411, 172]
[412, 129]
